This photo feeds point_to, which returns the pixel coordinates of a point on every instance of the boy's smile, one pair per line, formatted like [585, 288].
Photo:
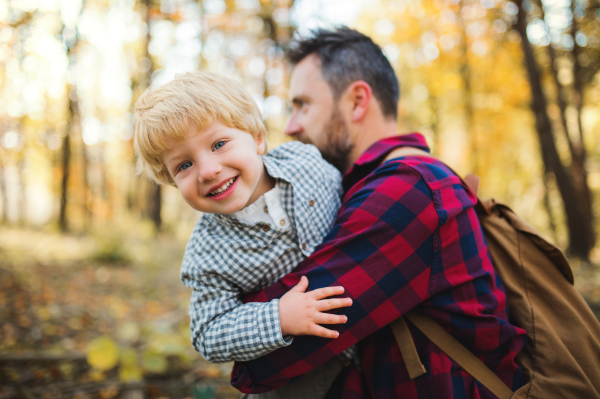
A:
[220, 169]
[222, 191]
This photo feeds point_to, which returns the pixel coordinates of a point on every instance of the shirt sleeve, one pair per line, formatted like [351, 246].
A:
[380, 249]
[224, 329]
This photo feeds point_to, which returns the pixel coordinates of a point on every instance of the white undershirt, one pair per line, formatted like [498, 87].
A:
[266, 209]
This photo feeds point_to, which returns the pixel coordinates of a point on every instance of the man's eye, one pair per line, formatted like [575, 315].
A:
[218, 145]
[185, 165]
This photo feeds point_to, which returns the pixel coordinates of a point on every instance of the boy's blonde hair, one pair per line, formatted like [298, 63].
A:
[164, 114]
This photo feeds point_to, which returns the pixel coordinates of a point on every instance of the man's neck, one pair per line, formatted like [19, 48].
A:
[367, 134]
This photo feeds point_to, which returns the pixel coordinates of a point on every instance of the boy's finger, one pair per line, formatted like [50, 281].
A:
[328, 304]
[319, 331]
[326, 318]
[301, 286]
[327, 291]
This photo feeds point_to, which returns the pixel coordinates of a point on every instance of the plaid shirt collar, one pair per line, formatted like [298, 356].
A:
[372, 158]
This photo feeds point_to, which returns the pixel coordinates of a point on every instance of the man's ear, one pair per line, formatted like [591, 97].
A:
[360, 95]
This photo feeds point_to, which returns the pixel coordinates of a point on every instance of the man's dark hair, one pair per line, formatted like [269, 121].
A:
[347, 56]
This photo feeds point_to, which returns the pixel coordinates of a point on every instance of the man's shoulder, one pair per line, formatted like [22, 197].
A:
[412, 182]
[435, 173]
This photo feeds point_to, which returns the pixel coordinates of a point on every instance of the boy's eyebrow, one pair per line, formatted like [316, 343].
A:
[178, 155]
[175, 154]
[172, 162]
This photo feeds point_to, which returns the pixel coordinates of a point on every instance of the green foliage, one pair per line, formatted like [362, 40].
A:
[154, 362]
[203, 391]
[111, 249]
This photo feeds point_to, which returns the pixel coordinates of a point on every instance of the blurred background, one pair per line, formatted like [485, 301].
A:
[90, 299]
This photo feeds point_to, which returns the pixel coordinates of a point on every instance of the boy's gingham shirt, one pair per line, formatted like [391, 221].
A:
[407, 236]
[226, 257]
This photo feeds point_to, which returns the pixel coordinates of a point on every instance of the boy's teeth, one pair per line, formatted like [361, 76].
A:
[223, 187]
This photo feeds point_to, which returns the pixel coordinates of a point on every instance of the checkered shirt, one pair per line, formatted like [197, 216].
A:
[407, 236]
[226, 257]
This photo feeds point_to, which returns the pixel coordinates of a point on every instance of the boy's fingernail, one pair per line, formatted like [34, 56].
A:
[345, 319]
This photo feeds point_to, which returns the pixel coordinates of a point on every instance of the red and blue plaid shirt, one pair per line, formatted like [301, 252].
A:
[406, 237]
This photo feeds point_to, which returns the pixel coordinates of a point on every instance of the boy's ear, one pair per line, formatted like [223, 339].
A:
[261, 144]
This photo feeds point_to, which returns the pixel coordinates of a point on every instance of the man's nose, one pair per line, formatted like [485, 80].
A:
[208, 169]
[293, 128]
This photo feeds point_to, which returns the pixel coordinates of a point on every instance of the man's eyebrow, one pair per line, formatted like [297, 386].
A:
[298, 99]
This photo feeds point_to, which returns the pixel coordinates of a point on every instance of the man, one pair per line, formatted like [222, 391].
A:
[406, 237]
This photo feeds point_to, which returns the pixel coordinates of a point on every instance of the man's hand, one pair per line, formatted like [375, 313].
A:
[300, 312]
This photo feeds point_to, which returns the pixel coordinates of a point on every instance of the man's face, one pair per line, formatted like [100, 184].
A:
[315, 117]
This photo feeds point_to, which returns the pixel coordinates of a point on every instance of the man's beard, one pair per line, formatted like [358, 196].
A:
[338, 145]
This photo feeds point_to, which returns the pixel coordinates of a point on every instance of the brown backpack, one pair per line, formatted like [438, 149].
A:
[561, 358]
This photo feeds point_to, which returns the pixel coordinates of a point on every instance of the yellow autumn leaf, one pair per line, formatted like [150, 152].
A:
[128, 369]
[102, 353]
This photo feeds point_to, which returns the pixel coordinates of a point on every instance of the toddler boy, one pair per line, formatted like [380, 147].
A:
[262, 215]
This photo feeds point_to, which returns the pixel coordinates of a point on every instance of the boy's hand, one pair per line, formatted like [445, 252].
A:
[300, 312]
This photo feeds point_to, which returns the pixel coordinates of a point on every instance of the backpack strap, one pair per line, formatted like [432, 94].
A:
[407, 348]
[461, 355]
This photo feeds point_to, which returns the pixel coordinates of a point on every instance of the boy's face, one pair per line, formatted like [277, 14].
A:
[218, 170]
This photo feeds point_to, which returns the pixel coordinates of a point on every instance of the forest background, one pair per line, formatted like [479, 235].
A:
[90, 301]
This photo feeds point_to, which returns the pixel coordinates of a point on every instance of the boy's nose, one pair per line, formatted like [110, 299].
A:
[207, 171]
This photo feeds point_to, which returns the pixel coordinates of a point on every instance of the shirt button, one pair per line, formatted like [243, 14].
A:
[266, 227]
[304, 246]
[311, 202]
[282, 222]
[266, 209]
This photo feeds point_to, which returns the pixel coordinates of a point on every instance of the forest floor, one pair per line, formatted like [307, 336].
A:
[98, 316]
[105, 316]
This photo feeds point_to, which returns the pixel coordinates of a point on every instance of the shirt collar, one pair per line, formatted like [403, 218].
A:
[372, 158]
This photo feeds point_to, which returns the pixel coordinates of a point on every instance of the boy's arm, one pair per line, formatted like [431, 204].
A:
[224, 329]
[380, 250]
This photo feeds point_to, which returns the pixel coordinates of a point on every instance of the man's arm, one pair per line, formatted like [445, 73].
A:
[380, 250]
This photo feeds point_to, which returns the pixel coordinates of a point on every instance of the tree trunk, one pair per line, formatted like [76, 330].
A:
[579, 228]
[155, 196]
[4, 216]
[548, 207]
[578, 167]
[154, 192]
[85, 200]
[66, 163]
[22, 204]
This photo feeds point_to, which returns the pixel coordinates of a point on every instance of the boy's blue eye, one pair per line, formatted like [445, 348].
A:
[218, 145]
[185, 165]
